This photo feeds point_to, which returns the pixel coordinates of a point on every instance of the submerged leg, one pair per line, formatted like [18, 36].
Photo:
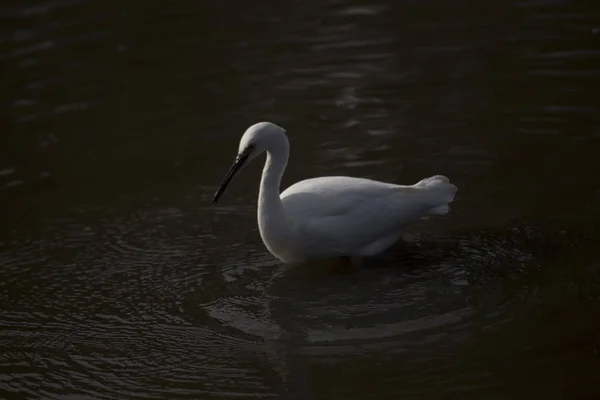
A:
[345, 264]
[356, 261]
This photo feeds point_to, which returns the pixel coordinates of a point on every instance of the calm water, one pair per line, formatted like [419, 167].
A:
[119, 279]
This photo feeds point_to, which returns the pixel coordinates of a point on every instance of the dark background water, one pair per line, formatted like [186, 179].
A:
[119, 279]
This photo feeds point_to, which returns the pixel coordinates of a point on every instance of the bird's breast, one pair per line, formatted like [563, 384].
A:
[281, 240]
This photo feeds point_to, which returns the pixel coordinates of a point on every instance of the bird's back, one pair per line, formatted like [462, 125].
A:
[331, 195]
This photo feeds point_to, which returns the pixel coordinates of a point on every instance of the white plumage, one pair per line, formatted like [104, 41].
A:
[331, 216]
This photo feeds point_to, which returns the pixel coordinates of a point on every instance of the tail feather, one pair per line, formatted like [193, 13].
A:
[442, 193]
[433, 180]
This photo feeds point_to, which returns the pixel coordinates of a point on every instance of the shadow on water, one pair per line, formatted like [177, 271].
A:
[119, 280]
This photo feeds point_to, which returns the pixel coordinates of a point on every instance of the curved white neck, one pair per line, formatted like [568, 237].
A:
[271, 216]
[268, 195]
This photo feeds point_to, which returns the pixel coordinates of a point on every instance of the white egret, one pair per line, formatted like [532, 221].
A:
[331, 216]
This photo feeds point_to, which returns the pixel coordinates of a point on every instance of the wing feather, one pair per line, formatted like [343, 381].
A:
[343, 214]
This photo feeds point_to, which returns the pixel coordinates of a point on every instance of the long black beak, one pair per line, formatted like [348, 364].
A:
[239, 162]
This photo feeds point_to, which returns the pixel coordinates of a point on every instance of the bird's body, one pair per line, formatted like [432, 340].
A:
[332, 216]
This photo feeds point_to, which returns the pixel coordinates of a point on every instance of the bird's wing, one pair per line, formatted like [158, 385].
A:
[331, 195]
[367, 222]
[343, 214]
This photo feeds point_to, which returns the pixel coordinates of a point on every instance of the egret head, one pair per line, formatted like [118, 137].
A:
[260, 137]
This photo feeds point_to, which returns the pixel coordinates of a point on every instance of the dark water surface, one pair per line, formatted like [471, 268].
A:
[119, 280]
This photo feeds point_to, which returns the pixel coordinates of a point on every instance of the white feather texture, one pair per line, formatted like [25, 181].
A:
[333, 216]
